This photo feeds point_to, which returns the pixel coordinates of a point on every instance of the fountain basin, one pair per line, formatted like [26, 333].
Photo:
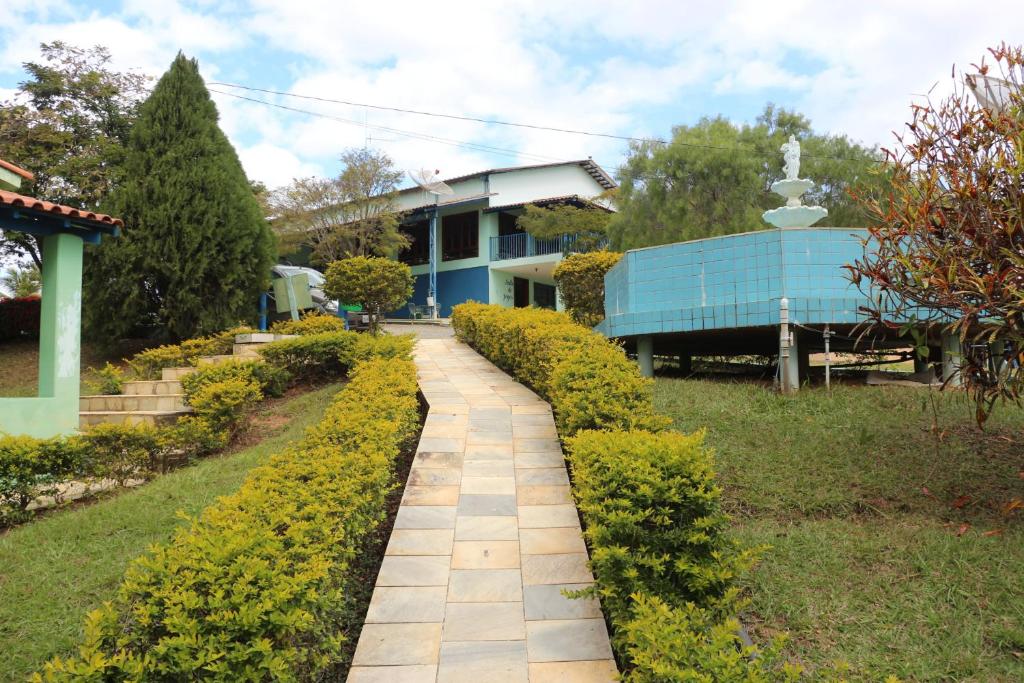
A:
[791, 189]
[795, 216]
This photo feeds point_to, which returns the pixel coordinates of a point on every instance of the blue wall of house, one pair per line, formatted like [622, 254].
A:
[453, 287]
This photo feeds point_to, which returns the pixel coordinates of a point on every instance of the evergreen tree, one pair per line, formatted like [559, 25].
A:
[196, 250]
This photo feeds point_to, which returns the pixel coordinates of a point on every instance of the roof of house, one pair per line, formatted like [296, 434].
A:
[589, 165]
[20, 201]
[17, 170]
[573, 199]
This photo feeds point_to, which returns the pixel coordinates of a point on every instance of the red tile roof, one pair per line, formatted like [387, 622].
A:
[20, 201]
[16, 169]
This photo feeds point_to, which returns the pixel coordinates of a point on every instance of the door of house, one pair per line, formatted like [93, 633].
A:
[521, 292]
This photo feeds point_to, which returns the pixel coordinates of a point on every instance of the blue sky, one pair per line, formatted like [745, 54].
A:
[629, 68]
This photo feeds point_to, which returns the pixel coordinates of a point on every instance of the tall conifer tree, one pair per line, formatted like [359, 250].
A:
[196, 250]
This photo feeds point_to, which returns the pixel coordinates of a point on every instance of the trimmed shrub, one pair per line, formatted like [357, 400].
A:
[688, 643]
[596, 387]
[588, 380]
[148, 364]
[313, 323]
[271, 379]
[312, 357]
[31, 467]
[121, 452]
[376, 283]
[367, 347]
[580, 280]
[258, 586]
[664, 566]
[223, 403]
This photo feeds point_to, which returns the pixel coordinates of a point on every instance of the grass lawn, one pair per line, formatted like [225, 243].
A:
[892, 551]
[19, 367]
[55, 570]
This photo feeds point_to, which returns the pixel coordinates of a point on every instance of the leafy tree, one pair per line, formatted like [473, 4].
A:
[948, 242]
[22, 282]
[589, 225]
[377, 284]
[196, 250]
[580, 280]
[68, 125]
[714, 178]
[353, 214]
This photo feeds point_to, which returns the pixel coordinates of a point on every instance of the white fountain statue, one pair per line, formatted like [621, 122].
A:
[793, 214]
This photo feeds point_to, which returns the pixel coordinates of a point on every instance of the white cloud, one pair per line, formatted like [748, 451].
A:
[571, 64]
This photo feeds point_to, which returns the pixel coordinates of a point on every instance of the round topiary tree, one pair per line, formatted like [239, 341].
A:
[375, 283]
[580, 280]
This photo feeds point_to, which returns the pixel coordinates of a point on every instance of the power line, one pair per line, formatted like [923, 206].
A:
[456, 117]
[622, 171]
[498, 122]
[397, 131]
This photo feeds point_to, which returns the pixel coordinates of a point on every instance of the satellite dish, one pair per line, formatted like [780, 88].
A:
[991, 93]
[430, 182]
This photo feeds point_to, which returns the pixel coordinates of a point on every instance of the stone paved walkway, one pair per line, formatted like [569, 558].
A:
[485, 540]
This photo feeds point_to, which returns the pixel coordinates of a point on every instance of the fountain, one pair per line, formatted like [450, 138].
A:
[793, 214]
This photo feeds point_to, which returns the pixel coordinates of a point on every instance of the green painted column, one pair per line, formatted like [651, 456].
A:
[60, 324]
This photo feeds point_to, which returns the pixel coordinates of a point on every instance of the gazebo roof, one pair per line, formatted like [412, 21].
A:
[35, 216]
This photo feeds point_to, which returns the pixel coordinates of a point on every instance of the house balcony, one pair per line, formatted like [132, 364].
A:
[524, 245]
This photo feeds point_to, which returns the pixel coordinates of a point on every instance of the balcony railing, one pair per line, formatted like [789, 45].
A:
[522, 245]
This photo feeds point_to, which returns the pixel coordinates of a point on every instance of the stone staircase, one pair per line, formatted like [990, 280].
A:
[161, 401]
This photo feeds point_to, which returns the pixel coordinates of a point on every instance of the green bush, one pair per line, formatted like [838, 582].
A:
[313, 323]
[258, 587]
[691, 644]
[368, 347]
[31, 467]
[108, 380]
[223, 403]
[271, 379]
[588, 380]
[121, 452]
[653, 520]
[313, 357]
[596, 387]
[148, 364]
[580, 280]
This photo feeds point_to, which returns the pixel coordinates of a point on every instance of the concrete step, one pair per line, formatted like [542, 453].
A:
[261, 337]
[247, 351]
[132, 402]
[152, 387]
[128, 417]
[213, 360]
[168, 374]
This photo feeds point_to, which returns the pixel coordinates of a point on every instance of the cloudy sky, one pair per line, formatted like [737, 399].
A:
[630, 68]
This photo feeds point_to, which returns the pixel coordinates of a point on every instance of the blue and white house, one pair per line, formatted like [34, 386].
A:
[479, 252]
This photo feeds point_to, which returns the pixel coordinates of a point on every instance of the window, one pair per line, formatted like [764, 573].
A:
[507, 224]
[418, 251]
[460, 236]
[544, 295]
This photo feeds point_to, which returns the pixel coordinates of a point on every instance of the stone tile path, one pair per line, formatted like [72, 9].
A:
[485, 540]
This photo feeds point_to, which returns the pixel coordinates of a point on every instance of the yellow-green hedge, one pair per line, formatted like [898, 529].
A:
[257, 587]
[588, 380]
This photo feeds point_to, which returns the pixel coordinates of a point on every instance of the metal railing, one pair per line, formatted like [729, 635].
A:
[522, 245]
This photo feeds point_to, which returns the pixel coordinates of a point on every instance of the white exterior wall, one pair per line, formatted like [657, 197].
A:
[466, 188]
[530, 184]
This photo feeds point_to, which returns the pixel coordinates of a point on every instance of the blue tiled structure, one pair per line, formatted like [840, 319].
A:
[735, 281]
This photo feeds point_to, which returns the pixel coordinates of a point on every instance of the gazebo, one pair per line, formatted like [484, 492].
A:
[64, 230]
